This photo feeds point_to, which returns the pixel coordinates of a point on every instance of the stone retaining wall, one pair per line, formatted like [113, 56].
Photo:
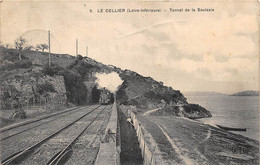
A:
[109, 152]
[150, 152]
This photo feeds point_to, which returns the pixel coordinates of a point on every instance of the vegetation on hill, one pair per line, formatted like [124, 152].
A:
[246, 93]
[192, 111]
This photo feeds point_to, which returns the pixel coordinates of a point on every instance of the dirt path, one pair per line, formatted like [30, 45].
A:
[185, 159]
[151, 111]
[196, 143]
[168, 152]
[186, 141]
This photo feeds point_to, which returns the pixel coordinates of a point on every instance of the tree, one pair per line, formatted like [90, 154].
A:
[29, 48]
[7, 45]
[42, 47]
[19, 45]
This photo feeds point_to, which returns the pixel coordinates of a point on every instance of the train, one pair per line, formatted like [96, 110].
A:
[106, 97]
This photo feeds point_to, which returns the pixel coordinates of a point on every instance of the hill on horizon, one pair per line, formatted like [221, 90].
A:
[201, 93]
[246, 93]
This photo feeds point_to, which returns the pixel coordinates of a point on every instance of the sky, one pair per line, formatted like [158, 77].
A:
[189, 51]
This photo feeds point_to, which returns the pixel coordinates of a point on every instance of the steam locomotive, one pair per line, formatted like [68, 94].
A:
[106, 97]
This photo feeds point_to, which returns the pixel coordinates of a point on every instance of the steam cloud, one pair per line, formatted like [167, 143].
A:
[110, 81]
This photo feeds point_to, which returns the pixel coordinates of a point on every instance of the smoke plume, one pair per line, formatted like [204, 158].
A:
[110, 81]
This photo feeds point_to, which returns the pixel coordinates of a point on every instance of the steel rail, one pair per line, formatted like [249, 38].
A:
[62, 115]
[19, 154]
[60, 156]
[34, 120]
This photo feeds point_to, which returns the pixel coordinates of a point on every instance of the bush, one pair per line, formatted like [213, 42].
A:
[121, 95]
[23, 64]
[9, 97]
[81, 66]
[196, 111]
[155, 95]
[71, 78]
[16, 65]
[46, 87]
[167, 111]
[7, 67]
[133, 102]
[19, 114]
[51, 71]
[10, 55]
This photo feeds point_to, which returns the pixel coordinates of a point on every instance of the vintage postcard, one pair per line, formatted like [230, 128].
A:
[129, 82]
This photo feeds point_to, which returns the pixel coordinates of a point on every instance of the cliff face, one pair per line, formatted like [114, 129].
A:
[72, 79]
[22, 89]
[24, 84]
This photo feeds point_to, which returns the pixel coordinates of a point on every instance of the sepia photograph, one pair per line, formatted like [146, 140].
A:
[129, 82]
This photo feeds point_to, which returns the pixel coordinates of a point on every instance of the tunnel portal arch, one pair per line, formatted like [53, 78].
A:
[95, 94]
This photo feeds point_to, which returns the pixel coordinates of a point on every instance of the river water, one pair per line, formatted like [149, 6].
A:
[231, 111]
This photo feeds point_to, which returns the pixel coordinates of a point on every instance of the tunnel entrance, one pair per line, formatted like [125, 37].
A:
[112, 98]
[95, 95]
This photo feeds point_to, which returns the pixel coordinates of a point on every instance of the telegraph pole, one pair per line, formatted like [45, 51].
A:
[49, 38]
[76, 47]
[86, 51]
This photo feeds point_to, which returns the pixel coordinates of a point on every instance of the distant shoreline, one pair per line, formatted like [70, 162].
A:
[246, 93]
[203, 93]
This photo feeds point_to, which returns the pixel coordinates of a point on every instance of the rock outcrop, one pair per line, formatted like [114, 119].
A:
[191, 111]
[24, 84]
[144, 91]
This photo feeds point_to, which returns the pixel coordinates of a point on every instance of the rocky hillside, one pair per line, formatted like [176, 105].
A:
[72, 80]
[23, 82]
[191, 111]
[144, 91]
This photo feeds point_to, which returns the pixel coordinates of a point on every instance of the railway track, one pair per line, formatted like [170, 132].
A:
[60, 158]
[48, 119]
[85, 149]
[34, 120]
[27, 138]
[22, 154]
